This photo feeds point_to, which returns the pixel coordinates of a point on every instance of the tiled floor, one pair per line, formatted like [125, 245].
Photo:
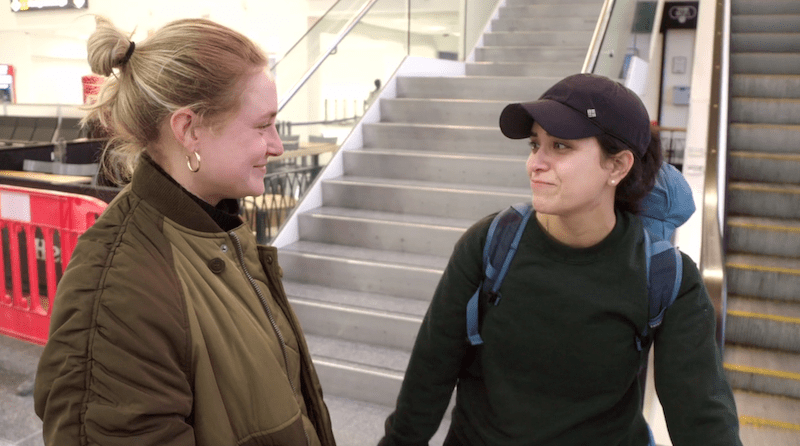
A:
[19, 426]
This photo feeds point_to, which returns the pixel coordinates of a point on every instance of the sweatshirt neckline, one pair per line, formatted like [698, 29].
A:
[567, 254]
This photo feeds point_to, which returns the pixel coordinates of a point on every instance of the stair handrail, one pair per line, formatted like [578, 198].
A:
[307, 33]
[597, 38]
[712, 255]
[310, 72]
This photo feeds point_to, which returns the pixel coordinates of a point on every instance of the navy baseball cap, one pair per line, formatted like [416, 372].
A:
[581, 106]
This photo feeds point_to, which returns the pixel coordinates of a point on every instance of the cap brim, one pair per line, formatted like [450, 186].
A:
[559, 120]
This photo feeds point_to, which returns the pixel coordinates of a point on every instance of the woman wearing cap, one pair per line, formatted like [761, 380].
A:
[171, 325]
[559, 364]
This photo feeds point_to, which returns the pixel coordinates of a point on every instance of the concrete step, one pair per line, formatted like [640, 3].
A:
[536, 38]
[765, 63]
[382, 230]
[763, 324]
[765, 110]
[765, 23]
[511, 3]
[442, 111]
[764, 200]
[406, 275]
[491, 170]
[443, 138]
[759, 370]
[369, 318]
[763, 236]
[549, 69]
[493, 88]
[741, 7]
[764, 167]
[764, 277]
[765, 86]
[524, 24]
[773, 138]
[765, 42]
[358, 423]
[538, 54]
[767, 420]
[421, 198]
[358, 371]
[542, 11]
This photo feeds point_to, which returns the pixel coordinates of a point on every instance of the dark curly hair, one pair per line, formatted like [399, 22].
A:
[642, 176]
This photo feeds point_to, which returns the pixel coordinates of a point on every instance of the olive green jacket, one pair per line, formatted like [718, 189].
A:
[167, 330]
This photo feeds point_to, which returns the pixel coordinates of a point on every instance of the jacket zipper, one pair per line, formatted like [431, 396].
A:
[240, 254]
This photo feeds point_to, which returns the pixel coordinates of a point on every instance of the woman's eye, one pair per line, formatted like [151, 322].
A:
[560, 146]
[264, 126]
[534, 145]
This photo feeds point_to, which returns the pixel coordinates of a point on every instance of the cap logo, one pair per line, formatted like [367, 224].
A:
[592, 113]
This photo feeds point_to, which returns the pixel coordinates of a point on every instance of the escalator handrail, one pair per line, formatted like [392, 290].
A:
[712, 262]
[598, 36]
[310, 72]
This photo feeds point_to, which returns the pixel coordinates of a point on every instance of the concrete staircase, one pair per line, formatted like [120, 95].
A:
[762, 351]
[362, 274]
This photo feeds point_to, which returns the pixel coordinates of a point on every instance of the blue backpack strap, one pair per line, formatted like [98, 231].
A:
[664, 275]
[501, 245]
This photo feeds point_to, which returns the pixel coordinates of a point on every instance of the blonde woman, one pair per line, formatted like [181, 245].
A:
[171, 326]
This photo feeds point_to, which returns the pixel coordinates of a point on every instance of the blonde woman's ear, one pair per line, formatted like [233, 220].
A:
[182, 123]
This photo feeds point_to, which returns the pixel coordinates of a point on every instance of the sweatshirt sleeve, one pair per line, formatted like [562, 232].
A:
[115, 368]
[698, 402]
[439, 348]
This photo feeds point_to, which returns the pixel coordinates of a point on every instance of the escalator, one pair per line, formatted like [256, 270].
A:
[762, 343]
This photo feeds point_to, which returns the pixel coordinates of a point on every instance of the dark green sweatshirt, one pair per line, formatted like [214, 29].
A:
[559, 362]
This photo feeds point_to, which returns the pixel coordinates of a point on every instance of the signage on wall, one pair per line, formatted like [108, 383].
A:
[679, 15]
[39, 5]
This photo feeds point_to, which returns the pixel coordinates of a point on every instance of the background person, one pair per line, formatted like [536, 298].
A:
[170, 325]
[559, 364]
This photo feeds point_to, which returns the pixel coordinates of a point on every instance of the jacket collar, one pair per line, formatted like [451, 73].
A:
[153, 185]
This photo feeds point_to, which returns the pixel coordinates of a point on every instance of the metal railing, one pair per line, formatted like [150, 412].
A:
[375, 36]
[355, 20]
[597, 38]
[712, 265]
[282, 190]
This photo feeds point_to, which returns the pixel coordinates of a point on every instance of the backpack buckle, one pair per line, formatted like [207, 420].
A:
[493, 297]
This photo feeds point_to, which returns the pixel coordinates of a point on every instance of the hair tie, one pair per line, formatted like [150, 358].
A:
[128, 54]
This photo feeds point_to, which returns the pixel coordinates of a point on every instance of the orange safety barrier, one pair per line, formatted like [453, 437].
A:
[39, 230]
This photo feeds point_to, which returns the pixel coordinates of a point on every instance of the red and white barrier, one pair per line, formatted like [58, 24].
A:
[47, 224]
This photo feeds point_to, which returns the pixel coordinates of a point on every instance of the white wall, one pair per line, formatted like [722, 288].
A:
[679, 43]
[48, 48]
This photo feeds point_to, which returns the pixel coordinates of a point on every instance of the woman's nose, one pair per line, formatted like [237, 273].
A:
[274, 143]
[536, 162]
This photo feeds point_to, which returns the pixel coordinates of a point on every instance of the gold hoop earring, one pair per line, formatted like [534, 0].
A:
[189, 162]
